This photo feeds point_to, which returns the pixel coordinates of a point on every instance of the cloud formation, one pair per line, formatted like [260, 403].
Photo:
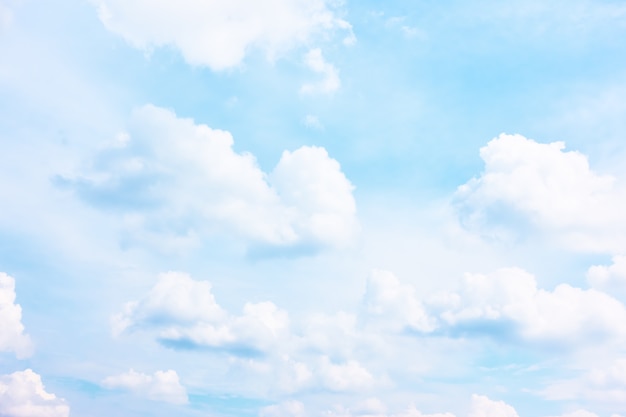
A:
[185, 315]
[175, 181]
[12, 336]
[528, 185]
[329, 83]
[611, 279]
[22, 394]
[220, 34]
[161, 386]
[506, 305]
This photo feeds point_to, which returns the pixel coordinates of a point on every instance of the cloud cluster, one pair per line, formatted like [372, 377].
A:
[220, 34]
[161, 386]
[12, 336]
[533, 186]
[480, 406]
[22, 394]
[184, 314]
[507, 304]
[335, 352]
[176, 181]
[329, 83]
[605, 384]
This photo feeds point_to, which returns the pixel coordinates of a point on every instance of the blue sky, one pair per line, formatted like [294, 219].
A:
[312, 208]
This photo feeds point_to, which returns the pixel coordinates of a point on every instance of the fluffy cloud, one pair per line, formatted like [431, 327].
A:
[606, 385]
[220, 34]
[22, 394]
[12, 337]
[481, 406]
[484, 407]
[329, 83]
[153, 175]
[391, 304]
[348, 376]
[184, 314]
[612, 278]
[162, 386]
[506, 305]
[285, 409]
[528, 185]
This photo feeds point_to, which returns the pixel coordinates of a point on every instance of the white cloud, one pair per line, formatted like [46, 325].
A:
[508, 304]
[22, 394]
[484, 407]
[581, 413]
[220, 34]
[612, 278]
[528, 185]
[285, 409]
[605, 385]
[12, 337]
[329, 83]
[153, 178]
[184, 314]
[313, 122]
[393, 305]
[162, 386]
[348, 376]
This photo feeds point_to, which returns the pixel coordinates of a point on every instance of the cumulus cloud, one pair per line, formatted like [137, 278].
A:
[329, 83]
[22, 394]
[161, 386]
[612, 278]
[394, 305]
[533, 186]
[484, 407]
[348, 376]
[152, 177]
[184, 314]
[506, 305]
[220, 34]
[285, 409]
[605, 385]
[12, 336]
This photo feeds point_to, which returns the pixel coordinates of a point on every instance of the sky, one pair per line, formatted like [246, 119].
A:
[312, 208]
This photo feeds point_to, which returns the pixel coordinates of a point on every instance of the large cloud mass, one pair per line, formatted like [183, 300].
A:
[506, 305]
[12, 337]
[173, 179]
[219, 34]
[528, 185]
[22, 394]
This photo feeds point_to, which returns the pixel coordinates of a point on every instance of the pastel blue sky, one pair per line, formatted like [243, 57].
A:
[312, 208]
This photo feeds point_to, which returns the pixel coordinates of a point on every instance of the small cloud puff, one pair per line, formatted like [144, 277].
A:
[329, 83]
[219, 35]
[161, 386]
[152, 179]
[22, 394]
[313, 122]
[12, 337]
